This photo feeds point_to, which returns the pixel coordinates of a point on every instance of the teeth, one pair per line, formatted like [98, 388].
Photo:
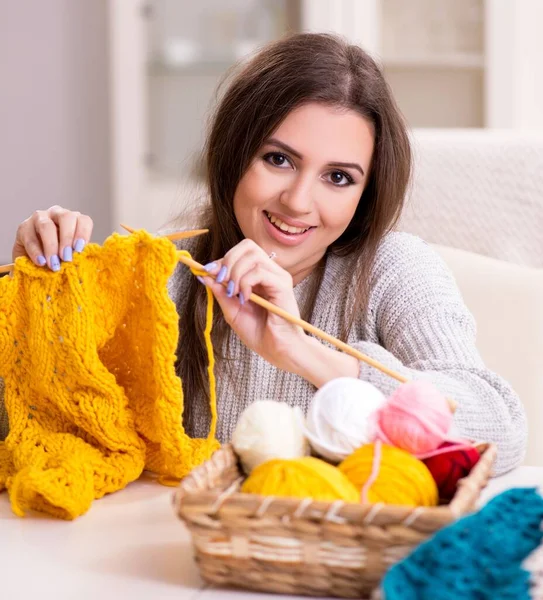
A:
[284, 227]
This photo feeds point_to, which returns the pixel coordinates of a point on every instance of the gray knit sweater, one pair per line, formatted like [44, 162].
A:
[416, 324]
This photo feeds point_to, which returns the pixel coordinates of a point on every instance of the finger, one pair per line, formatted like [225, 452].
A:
[245, 248]
[229, 306]
[213, 268]
[218, 270]
[240, 259]
[28, 244]
[83, 232]
[47, 232]
[66, 222]
[276, 287]
[240, 268]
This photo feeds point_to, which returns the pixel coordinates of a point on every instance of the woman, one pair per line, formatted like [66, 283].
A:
[308, 161]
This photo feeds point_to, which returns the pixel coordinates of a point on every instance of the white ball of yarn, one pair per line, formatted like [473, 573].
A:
[338, 419]
[267, 429]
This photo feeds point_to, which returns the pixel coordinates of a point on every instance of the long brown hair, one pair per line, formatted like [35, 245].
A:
[301, 68]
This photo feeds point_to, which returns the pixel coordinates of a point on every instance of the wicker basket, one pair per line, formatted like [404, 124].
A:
[289, 546]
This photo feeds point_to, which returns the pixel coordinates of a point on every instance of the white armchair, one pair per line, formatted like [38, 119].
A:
[507, 303]
[479, 190]
[478, 197]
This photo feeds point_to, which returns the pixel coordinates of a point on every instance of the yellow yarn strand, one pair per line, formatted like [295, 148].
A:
[306, 477]
[210, 352]
[198, 459]
[401, 478]
[211, 364]
[88, 355]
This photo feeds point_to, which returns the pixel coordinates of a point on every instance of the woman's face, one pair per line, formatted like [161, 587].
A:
[302, 188]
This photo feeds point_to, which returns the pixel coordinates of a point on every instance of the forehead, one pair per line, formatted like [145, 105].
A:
[328, 134]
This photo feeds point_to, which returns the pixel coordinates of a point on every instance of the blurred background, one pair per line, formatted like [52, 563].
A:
[104, 103]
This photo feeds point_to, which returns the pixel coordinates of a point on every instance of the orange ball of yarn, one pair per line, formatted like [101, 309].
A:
[387, 474]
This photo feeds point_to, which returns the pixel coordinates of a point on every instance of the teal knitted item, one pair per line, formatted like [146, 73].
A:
[477, 558]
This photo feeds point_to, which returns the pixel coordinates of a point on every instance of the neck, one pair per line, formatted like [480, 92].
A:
[301, 271]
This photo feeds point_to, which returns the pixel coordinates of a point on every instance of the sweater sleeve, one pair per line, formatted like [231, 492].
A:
[426, 332]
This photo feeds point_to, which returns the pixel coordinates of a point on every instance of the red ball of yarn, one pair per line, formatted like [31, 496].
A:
[449, 467]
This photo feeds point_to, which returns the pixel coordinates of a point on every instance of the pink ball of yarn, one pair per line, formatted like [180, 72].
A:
[416, 418]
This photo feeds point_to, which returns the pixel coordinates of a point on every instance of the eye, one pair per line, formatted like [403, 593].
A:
[277, 159]
[340, 178]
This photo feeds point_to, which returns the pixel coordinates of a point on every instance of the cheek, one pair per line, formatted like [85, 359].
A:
[248, 192]
[337, 213]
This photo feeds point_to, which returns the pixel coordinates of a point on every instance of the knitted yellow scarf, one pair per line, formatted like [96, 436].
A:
[88, 357]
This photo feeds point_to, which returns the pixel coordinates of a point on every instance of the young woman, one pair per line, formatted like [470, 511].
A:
[308, 161]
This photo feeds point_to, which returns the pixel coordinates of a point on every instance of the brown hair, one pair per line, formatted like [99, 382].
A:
[301, 68]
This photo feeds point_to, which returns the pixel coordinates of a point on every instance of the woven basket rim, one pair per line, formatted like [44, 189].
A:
[193, 495]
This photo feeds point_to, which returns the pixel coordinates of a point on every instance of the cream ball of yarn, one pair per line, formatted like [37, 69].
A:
[338, 420]
[266, 430]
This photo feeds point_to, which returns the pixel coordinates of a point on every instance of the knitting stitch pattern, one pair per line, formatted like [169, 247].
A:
[87, 355]
[477, 558]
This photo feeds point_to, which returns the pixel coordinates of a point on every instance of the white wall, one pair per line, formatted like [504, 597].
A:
[180, 100]
[54, 112]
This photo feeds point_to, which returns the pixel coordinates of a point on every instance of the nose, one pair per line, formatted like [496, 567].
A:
[298, 195]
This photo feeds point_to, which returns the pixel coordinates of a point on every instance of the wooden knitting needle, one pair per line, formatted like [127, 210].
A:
[178, 235]
[312, 329]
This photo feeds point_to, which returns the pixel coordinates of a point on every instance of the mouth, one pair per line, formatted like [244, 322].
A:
[284, 227]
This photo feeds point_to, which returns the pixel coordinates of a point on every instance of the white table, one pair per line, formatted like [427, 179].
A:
[129, 545]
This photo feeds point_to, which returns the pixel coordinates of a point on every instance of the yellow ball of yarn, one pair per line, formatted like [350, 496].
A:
[400, 478]
[306, 477]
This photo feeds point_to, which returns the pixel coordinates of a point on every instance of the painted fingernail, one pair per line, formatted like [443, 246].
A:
[67, 254]
[200, 279]
[222, 274]
[41, 260]
[55, 263]
[241, 298]
[230, 288]
[210, 267]
[79, 245]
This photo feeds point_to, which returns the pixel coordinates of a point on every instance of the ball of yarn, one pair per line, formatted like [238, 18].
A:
[306, 477]
[449, 467]
[338, 418]
[387, 474]
[266, 430]
[416, 418]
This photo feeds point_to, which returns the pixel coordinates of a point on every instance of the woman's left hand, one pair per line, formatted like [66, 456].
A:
[247, 268]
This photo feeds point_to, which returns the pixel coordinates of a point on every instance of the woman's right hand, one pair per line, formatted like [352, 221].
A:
[49, 236]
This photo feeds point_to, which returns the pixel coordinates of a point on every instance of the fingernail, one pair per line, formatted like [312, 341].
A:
[210, 267]
[79, 245]
[200, 279]
[55, 263]
[67, 254]
[222, 274]
[41, 260]
[241, 298]
[230, 289]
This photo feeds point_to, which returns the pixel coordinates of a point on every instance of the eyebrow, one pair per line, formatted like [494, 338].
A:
[287, 148]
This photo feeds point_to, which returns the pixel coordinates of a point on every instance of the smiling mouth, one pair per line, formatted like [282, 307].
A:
[283, 227]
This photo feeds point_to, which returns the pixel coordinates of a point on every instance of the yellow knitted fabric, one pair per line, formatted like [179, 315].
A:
[88, 357]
